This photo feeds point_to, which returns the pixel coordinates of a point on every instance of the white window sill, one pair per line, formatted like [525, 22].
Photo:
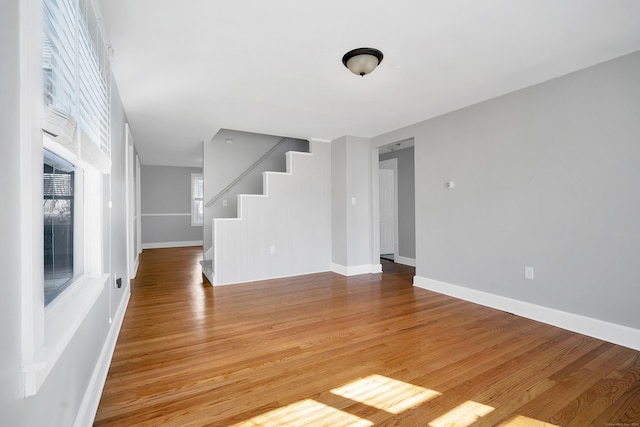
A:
[63, 317]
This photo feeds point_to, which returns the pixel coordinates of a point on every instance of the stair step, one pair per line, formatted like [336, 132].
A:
[207, 264]
[207, 269]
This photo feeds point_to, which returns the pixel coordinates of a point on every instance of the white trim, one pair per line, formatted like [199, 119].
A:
[404, 260]
[355, 270]
[617, 334]
[64, 317]
[322, 140]
[374, 185]
[138, 205]
[166, 214]
[136, 265]
[213, 283]
[129, 202]
[157, 245]
[89, 405]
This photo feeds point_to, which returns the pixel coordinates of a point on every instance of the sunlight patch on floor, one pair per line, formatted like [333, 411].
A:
[308, 413]
[521, 421]
[388, 395]
[385, 393]
[462, 415]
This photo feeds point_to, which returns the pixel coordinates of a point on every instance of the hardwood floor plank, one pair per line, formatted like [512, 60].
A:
[625, 409]
[602, 357]
[487, 383]
[593, 402]
[284, 351]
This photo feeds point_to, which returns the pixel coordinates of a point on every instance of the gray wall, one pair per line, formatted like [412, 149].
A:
[166, 190]
[339, 202]
[406, 201]
[351, 223]
[545, 177]
[58, 400]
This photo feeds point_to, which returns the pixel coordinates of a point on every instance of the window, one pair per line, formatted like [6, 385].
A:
[58, 209]
[77, 137]
[64, 230]
[197, 199]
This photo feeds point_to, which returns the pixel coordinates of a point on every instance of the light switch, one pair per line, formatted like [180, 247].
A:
[353, 200]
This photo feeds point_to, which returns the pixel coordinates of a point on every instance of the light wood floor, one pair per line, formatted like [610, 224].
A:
[367, 350]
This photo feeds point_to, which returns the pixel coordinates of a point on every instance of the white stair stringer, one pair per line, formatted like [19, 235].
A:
[284, 232]
[207, 269]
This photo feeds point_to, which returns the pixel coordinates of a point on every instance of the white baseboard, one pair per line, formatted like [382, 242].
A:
[356, 269]
[171, 244]
[89, 406]
[611, 332]
[405, 261]
[215, 282]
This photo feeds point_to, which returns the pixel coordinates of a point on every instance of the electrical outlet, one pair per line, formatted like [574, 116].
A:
[272, 249]
[528, 273]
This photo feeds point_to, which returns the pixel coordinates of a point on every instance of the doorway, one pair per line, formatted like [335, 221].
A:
[396, 207]
[388, 179]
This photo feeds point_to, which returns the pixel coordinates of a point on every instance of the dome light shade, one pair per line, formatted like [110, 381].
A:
[363, 60]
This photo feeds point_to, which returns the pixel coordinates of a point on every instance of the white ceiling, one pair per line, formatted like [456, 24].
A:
[187, 68]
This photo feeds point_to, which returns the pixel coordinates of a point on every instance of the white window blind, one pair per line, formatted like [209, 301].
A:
[59, 58]
[76, 77]
[95, 117]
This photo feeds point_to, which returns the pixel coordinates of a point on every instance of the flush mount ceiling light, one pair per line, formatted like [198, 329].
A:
[362, 61]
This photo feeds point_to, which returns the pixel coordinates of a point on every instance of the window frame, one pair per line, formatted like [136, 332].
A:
[49, 329]
[51, 159]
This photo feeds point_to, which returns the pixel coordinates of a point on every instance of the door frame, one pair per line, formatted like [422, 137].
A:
[393, 165]
[376, 148]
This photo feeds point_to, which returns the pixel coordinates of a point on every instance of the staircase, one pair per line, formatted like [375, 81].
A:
[284, 231]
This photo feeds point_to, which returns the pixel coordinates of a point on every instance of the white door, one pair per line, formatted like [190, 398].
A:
[387, 211]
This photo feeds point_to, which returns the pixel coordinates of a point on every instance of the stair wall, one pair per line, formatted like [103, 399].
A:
[223, 162]
[284, 232]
